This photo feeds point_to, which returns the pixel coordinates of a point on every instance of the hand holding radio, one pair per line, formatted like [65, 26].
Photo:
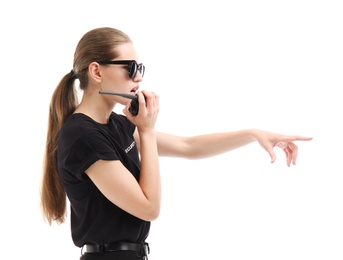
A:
[134, 106]
[151, 108]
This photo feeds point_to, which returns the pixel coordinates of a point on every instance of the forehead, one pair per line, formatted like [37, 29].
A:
[126, 51]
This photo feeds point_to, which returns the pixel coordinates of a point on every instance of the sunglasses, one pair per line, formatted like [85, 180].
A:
[132, 66]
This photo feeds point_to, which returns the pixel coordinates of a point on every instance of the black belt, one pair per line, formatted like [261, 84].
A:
[119, 246]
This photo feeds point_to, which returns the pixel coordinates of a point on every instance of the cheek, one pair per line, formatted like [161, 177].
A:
[109, 76]
[116, 75]
[115, 80]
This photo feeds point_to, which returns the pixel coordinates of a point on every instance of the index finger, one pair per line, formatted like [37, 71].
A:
[299, 138]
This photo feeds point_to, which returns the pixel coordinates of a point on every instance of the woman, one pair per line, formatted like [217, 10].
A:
[107, 164]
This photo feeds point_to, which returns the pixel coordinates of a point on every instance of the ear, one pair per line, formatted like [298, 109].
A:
[94, 71]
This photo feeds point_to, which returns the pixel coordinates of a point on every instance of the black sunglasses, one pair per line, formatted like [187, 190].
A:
[132, 65]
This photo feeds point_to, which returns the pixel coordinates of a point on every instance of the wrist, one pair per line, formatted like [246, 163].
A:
[146, 133]
[253, 134]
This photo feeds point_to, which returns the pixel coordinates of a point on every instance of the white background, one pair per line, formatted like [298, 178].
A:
[217, 66]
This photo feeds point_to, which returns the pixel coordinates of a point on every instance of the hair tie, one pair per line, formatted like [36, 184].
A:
[72, 75]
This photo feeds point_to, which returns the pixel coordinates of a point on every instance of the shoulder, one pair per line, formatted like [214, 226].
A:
[77, 123]
[78, 127]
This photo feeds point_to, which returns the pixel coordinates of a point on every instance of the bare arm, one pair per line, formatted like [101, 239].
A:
[202, 146]
[207, 145]
[141, 199]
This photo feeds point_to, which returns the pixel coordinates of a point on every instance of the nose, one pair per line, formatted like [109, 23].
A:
[138, 77]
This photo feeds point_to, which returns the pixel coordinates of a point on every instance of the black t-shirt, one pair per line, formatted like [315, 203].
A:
[81, 142]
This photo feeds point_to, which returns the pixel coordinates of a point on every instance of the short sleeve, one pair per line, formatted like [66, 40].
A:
[88, 149]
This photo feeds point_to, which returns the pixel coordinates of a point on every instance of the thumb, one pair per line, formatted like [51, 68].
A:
[271, 152]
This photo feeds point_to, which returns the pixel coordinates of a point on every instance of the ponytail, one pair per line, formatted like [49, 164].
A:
[53, 196]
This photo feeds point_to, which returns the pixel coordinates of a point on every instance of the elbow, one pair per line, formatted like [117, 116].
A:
[152, 214]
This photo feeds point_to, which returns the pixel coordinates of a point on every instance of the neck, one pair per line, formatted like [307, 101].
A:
[96, 108]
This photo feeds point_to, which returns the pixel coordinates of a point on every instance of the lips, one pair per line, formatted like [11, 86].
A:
[134, 90]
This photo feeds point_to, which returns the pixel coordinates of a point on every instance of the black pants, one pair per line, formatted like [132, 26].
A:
[117, 255]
